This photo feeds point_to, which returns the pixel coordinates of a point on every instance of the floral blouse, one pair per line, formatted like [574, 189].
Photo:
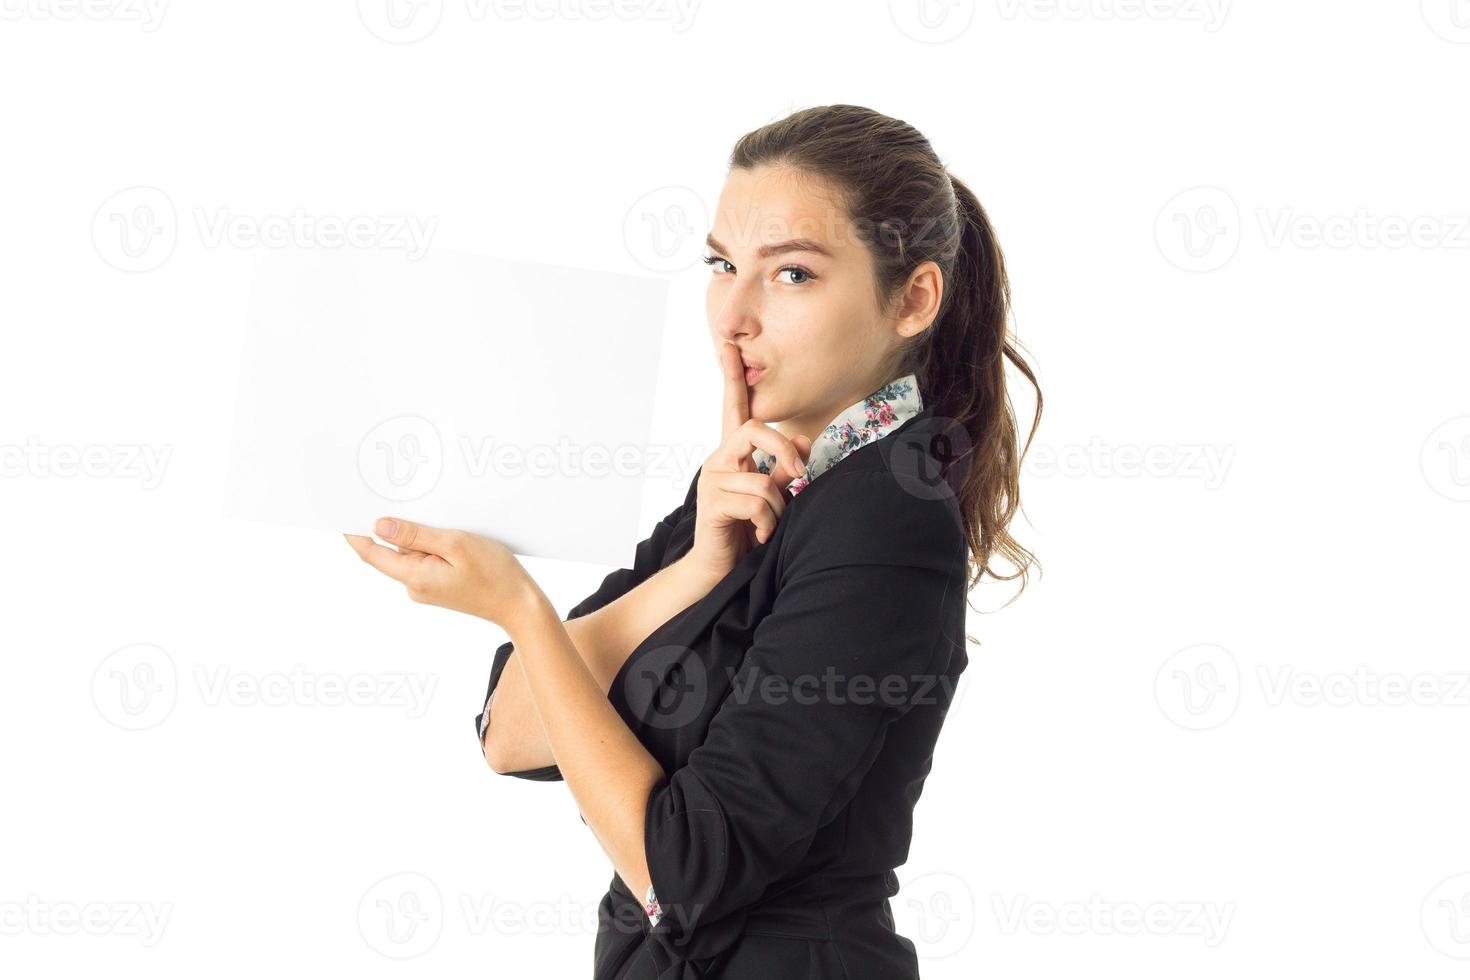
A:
[859, 424]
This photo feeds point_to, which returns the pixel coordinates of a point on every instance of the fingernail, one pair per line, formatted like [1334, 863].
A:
[387, 527]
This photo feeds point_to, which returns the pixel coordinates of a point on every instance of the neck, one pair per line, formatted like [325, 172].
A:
[811, 423]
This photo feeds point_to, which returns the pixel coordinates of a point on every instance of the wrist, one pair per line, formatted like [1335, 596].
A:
[696, 575]
[530, 605]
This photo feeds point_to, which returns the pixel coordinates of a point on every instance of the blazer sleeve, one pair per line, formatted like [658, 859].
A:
[859, 602]
[648, 558]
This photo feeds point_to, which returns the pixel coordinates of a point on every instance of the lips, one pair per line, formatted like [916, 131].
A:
[753, 370]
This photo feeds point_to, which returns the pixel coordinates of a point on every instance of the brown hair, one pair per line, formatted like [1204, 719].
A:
[907, 208]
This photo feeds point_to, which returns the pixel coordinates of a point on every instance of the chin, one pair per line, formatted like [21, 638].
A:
[769, 418]
[763, 408]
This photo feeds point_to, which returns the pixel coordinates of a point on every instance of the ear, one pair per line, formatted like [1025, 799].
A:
[918, 304]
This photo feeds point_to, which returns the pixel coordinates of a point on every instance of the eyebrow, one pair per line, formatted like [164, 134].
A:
[766, 251]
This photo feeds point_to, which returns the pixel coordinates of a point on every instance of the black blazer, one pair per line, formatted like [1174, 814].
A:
[795, 709]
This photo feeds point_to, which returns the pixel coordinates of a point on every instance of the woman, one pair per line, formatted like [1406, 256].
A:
[747, 715]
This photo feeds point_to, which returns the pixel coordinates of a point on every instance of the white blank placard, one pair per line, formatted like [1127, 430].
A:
[510, 398]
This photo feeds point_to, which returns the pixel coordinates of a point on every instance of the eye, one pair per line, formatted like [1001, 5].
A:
[798, 271]
[710, 260]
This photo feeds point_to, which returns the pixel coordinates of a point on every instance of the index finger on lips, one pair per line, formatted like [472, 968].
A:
[737, 397]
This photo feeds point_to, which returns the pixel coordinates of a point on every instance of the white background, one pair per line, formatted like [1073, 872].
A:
[1194, 716]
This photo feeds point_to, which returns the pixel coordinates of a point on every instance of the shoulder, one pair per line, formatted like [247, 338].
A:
[875, 508]
[884, 503]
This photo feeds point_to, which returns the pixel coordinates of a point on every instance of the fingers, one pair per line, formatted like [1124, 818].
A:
[756, 510]
[735, 418]
[737, 396]
[753, 485]
[411, 537]
[416, 546]
[391, 563]
[754, 434]
[749, 497]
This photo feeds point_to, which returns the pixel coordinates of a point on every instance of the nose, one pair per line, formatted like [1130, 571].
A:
[736, 320]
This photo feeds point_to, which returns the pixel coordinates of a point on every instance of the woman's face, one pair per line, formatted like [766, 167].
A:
[792, 287]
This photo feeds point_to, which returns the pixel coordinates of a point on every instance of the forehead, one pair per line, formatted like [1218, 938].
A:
[775, 204]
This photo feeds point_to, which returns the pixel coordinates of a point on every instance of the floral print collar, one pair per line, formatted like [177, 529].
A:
[857, 425]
